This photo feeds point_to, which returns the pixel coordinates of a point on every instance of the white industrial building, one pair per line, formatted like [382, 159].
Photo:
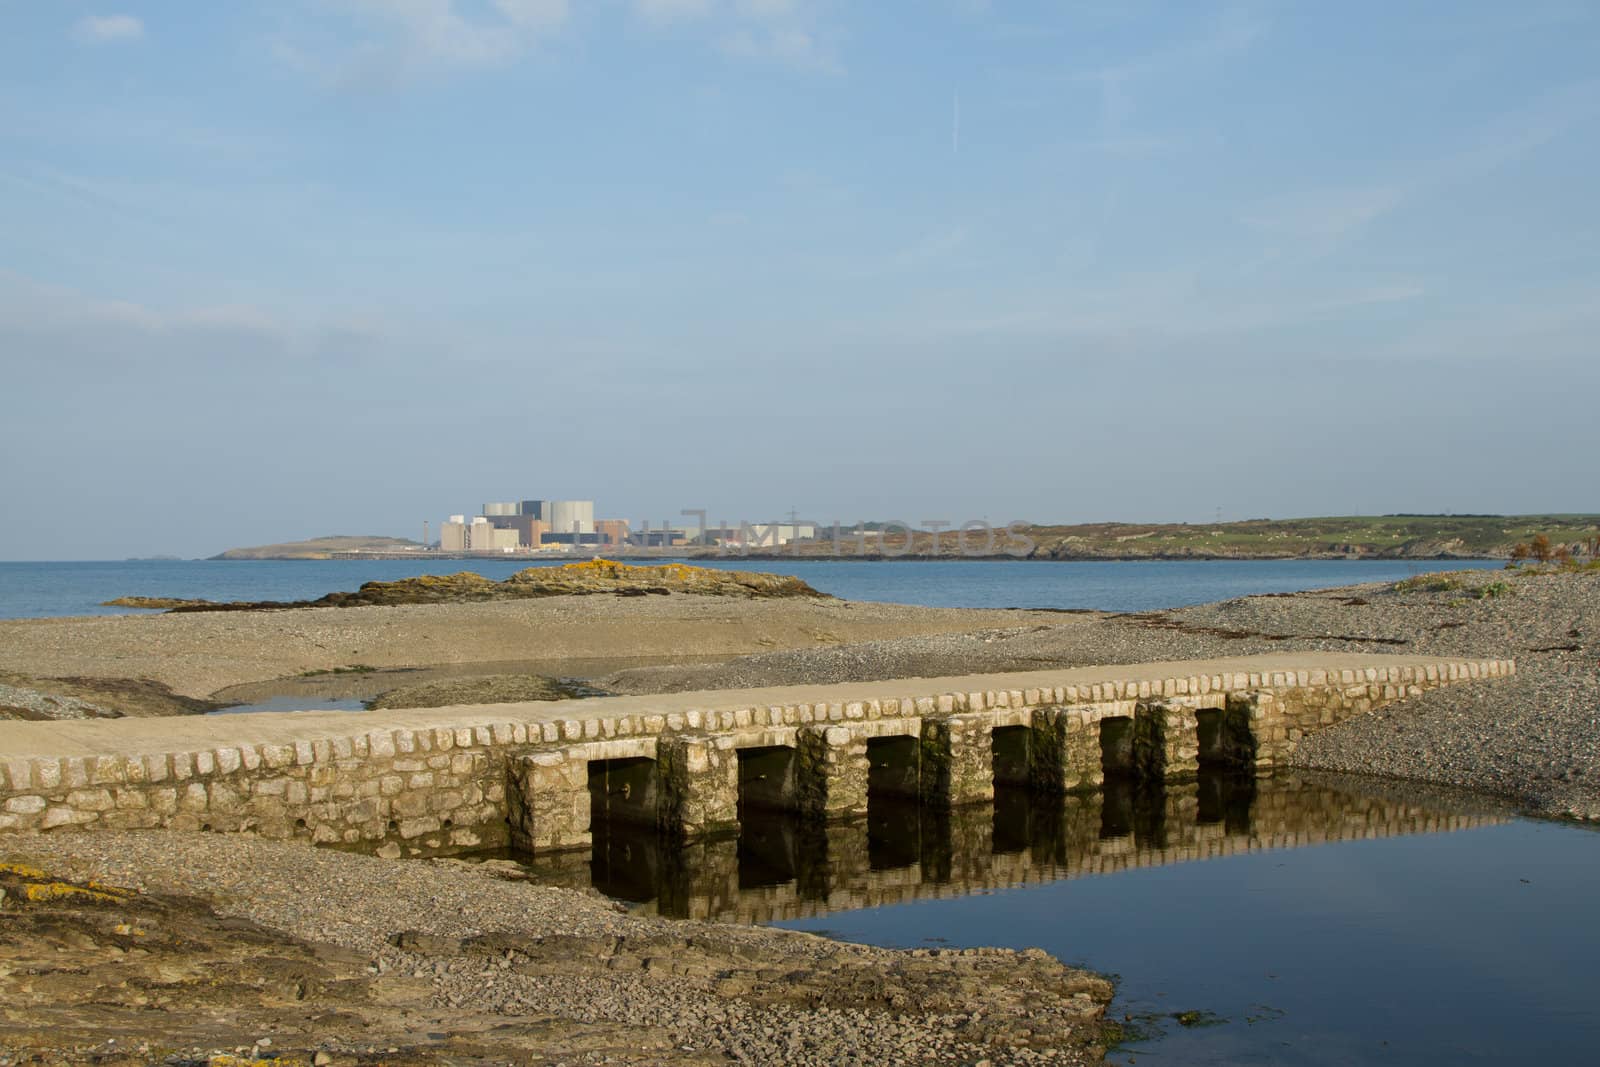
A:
[479, 535]
[569, 516]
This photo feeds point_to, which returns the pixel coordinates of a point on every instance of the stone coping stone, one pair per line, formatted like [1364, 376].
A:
[152, 736]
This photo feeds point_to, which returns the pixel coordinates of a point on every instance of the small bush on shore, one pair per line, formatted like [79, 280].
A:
[1428, 583]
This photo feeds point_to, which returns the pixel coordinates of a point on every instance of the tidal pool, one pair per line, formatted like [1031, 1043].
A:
[1290, 920]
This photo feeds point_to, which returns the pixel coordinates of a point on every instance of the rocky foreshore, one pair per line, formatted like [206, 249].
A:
[232, 949]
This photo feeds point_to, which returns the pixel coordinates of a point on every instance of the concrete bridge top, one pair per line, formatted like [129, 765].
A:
[135, 737]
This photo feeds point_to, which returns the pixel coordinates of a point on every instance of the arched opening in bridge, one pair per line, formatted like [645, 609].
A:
[1117, 748]
[894, 767]
[767, 779]
[623, 790]
[1225, 738]
[1010, 746]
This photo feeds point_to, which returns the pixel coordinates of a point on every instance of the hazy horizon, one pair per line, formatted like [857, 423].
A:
[270, 271]
[851, 548]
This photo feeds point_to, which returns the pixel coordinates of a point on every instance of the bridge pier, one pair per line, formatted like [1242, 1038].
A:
[1064, 753]
[1165, 737]
[958, 759]
[547, 800]
[833, 772]
[699, 784]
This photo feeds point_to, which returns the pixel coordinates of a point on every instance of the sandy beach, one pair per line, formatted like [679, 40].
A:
[198, 654]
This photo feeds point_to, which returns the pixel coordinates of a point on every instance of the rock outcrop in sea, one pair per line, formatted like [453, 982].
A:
[589, 578]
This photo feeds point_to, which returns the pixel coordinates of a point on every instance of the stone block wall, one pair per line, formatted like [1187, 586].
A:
[464, 785]
[389, 790]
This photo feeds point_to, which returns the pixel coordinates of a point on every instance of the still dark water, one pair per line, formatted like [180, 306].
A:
[31, 590]
[1315, 920]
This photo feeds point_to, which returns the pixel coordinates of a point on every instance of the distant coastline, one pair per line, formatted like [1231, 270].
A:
[701, 556]
[1391, 537]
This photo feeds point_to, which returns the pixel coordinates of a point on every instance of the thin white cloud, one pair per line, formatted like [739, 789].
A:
[1323, 214]
[768, 9]
[1119, 82]
[777, 32]
[1318, 220]
[785, 45]
[533, 14]
[399, 40]
[107, 29]
[662, 11]
[76, 329]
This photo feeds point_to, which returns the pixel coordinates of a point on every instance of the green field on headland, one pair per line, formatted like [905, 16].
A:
[1336, 537]
[1385, 536]
[322, 547]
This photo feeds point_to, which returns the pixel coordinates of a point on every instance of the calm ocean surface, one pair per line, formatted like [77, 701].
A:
[35, 590]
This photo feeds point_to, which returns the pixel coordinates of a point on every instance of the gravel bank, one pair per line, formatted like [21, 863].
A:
[449, 950]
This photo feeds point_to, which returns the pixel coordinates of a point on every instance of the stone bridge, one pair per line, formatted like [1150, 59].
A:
[533, 775]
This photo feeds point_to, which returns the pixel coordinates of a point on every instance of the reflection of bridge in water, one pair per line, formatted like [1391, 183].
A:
[786, 868]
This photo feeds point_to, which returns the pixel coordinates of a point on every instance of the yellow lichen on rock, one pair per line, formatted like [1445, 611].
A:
[45, 891]
[21, 870]
[38, 887]
[586, 578]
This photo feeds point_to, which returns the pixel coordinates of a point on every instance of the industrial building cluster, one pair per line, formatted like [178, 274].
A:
[531, 526]
[556, 526]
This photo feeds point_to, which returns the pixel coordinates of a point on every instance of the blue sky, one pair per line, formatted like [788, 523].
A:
[337, 266]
